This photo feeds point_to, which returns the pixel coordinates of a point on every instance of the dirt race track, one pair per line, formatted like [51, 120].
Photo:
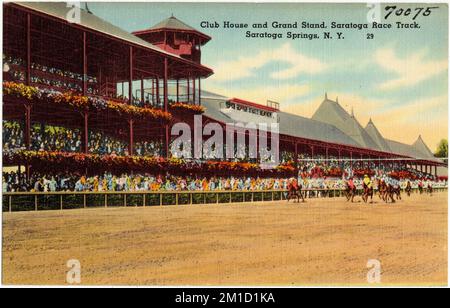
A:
[321, 242]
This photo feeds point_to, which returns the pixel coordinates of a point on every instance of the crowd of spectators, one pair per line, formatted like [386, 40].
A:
[49, 76]
[13, 136]
[14, 181]
[61, 139]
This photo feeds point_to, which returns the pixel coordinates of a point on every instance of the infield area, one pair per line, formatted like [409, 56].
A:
[320, 242]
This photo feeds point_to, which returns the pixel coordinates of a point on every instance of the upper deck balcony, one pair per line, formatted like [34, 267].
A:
[93, 58]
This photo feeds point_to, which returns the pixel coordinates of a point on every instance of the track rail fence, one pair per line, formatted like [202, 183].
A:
[35, 201]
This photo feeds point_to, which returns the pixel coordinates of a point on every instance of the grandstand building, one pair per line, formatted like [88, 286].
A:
[134, 86]
[330, 131]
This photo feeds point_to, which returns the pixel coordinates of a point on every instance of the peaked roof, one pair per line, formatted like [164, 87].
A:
[290, 125]
[402, 149]
[172, 23]
[301, 127]
[411, 151]
[421, 147]
[332, 113]
[376, 136]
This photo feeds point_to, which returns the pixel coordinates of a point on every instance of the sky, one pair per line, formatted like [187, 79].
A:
[399, 78]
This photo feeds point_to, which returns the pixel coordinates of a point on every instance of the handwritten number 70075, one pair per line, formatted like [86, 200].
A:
[414, 12]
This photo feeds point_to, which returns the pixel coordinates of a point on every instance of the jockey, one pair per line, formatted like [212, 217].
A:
[294, 184]
[367, 181]
[350, 183]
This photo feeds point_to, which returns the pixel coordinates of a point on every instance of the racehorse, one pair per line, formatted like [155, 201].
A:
[397, 192]
[368, 192]
[350, 192]
[408, 188]
[420, 187]
[389, 193]
[430, 189]
[295, 190]
[382, 189]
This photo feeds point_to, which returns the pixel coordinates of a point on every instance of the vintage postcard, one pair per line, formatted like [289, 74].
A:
[224, 144]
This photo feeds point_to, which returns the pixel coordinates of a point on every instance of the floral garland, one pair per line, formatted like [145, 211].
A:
[19, 90]
[334, 172]
[402, 175]
[196, 109]
[362, 172]
[80, 161]
[139, 112]
[287, 168]
[83, 103]
[231, 166]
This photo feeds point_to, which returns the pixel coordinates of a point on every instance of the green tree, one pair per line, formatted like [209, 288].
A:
[442, 149]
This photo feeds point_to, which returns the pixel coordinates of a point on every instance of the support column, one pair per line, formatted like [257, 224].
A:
[166, 103]
[84, 64]
[28, 49]
[153, 92]
[199, 92]
[142, 91]
[86, 132]
[131, 145]
[193, 91]
[130, 80]
[188, 90]
[178, 90]
[27, 136]
[351, 160]
[27, 126]
[296, 158]
[326, 155]
[158, 100]
[435, 171]
[312, 152]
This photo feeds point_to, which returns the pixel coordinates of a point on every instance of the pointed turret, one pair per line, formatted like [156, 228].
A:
[422, 148]
[331, 112]
[376, 136]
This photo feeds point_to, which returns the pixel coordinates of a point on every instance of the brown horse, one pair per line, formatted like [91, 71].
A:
[368, 192]
[387, 191]
[350, 192]
[389, 194]
[408, 188]
[382, 189]
[295, 191]
[397, 192]
[430, 189]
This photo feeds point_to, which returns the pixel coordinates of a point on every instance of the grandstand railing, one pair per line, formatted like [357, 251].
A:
[35, 201]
